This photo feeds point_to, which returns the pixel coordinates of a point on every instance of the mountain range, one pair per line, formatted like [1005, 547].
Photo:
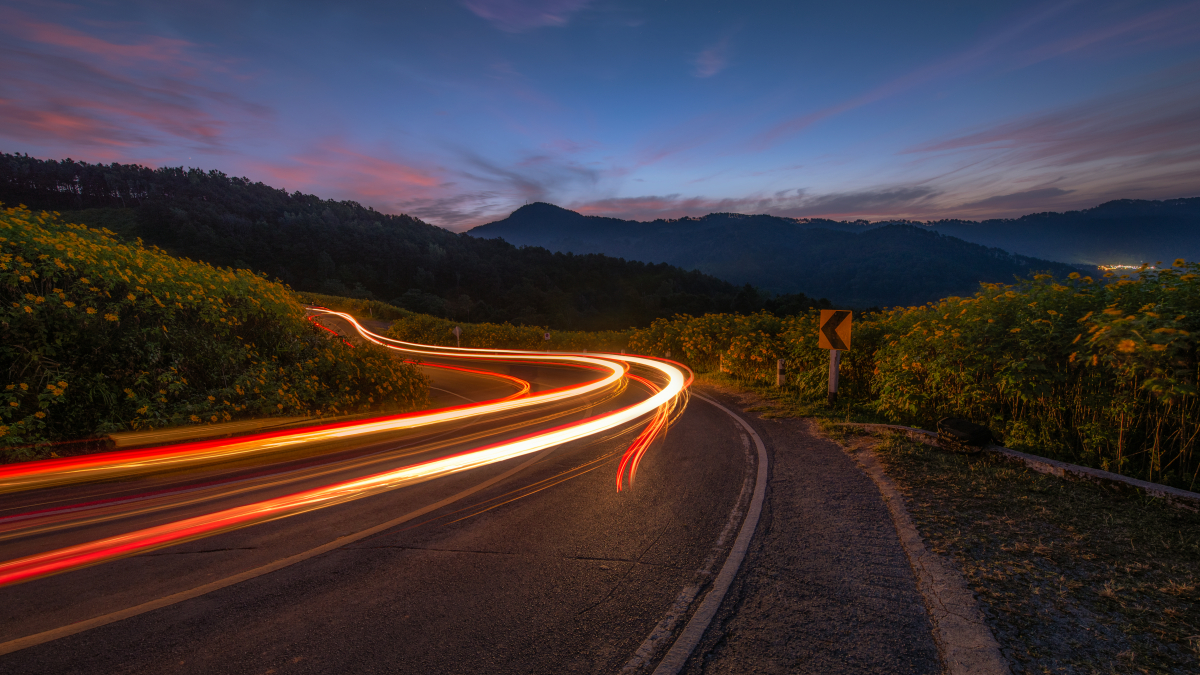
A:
[857, 264]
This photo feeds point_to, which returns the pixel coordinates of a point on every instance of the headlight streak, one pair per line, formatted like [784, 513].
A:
[51, 472]
[56, 472]
[75, 515]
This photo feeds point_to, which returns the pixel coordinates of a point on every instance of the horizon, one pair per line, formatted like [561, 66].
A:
[458, 114]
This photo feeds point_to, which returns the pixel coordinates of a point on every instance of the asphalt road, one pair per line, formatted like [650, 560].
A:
[551, 569]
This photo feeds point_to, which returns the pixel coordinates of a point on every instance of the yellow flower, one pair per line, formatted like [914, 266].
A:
[14, 404]
[28, 310]
[69, 303]
[39, 414]
[131, 297]
[1126, 346]
[1180, 262]
[24, 387]
[111, 317]
[25, 278]
[91, 310]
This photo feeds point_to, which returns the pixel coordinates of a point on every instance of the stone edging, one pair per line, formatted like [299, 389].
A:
[965, 643]
[1173, 496]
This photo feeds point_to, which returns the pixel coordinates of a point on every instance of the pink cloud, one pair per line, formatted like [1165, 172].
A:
[337, 167]
[516, 16]
[712, 60]
[64, 87]
[153, 49]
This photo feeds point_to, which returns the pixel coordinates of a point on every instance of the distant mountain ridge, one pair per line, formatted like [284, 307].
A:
[854, 263]
[1122, 231]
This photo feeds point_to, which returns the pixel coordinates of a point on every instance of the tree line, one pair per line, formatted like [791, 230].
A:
[344, 248]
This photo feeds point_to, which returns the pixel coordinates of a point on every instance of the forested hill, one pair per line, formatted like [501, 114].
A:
[1123, 231]
[343, 248]
[857, 264]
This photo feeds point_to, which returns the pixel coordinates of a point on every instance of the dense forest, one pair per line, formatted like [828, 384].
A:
[857, 264]
[343, 248]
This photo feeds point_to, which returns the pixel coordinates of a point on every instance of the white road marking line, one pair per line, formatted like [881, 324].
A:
[679, 652]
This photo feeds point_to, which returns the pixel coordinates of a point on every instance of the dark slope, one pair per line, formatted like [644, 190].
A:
[344, 248]
[856, 264]
[1124, 231]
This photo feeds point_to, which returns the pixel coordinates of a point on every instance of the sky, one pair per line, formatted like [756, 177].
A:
[460, 111]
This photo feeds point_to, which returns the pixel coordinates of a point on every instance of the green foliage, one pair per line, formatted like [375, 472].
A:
[363, 309]
[1102, 374]
[100, 336]
[431, 330]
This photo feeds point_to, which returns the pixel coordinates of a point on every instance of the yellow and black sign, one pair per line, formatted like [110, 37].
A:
[835, 329]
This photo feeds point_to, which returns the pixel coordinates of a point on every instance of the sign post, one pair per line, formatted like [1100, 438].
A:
[834, 335]
[457, 336]
[779, 373]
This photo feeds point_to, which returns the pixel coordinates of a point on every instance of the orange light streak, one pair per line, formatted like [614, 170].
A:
[52, 472]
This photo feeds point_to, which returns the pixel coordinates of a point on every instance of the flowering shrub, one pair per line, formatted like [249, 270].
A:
[100, 336]
[1103, 374]
[430, 330]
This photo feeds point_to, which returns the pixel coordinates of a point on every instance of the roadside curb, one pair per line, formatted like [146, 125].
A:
[1173, 496]
[964, 641]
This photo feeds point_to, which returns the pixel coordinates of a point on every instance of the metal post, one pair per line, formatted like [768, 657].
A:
[668, 353]
[835, 359]
[779, 373]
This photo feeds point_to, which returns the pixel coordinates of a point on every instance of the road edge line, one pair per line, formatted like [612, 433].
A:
[112, 617]
[693, 632]
[965, 643]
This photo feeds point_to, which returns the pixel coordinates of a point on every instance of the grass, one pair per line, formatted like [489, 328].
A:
[1073, 577]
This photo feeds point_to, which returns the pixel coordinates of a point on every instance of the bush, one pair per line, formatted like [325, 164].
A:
[1102, 374]
[368, 309]
[101, 336]
[430, 330]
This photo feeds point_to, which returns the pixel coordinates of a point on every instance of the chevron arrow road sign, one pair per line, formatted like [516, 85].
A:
[835, 329]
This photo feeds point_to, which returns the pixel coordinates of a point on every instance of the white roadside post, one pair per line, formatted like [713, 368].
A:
[779, 373]
[457, 336]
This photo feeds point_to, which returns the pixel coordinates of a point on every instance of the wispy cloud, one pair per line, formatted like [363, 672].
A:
[68, 88]
[796, 203]
[516, 16]
[334, 165]
[1026, 200]
[1163, 121]
[955, 64]
[712, 60]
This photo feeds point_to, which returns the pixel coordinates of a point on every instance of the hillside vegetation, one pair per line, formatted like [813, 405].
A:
[1101, 374]
[345, 249]
[854, 264]
[1096, 372]
[97, 336]
[430, 330]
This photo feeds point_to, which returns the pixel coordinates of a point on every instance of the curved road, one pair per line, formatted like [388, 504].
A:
[537, 564]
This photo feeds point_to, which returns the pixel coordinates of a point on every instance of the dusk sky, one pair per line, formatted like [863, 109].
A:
[460, 111]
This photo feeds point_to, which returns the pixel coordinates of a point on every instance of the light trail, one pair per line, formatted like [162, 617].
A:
[663, 400]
